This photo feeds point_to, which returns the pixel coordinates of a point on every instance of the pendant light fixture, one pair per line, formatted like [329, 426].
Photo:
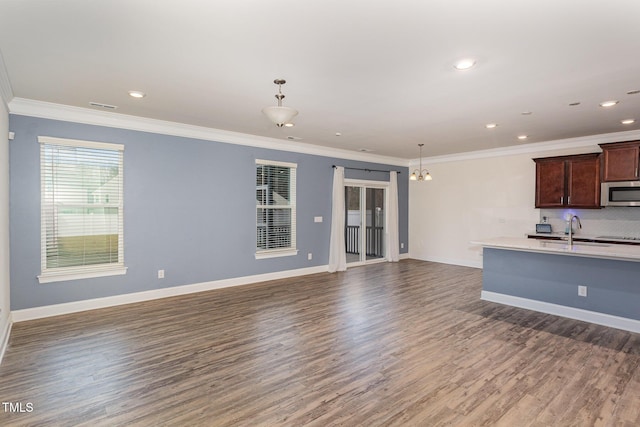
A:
[280, 115]
[420, 174]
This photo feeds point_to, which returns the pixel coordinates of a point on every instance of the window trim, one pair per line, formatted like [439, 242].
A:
[275, 253]
[281, 252]
[87, 271]
[58, 276]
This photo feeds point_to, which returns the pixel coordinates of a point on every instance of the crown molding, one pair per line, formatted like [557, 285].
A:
[6, 93]
[535, 147]
[48, 110]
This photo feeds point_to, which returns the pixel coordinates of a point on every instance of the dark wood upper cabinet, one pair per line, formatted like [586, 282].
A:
[550, 182]
[568, 181]
[620, 161]
[583, 182]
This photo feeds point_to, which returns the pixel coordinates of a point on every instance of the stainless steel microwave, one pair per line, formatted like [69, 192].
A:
[624, 193]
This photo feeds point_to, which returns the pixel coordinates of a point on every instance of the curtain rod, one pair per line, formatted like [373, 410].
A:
[367, 170]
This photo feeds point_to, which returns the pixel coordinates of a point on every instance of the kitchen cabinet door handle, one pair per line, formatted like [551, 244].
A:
[562, 200]
[636, 171]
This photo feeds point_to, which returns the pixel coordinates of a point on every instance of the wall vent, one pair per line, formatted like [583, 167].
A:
[101, 105]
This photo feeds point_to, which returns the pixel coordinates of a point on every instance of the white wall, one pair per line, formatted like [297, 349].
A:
[474, 199]
[4, 228]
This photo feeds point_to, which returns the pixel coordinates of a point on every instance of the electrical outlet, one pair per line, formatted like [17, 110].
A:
[160, 274]
[309, 256]
[401, 245]
[582, 291]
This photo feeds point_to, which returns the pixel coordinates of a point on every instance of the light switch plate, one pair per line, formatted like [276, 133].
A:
[317, 219]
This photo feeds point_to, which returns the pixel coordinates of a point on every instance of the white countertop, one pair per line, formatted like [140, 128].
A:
[580, 235]
[585, 249]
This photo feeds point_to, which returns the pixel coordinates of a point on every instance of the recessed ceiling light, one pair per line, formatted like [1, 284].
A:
[491, 125]
[464, 64]
[627, 121]
[137, 94]
[526, 113]
[289, 125]
[338, 133]
[608, 103]
[633, 92]
[573, 104]
[522, 137]
[294, 138]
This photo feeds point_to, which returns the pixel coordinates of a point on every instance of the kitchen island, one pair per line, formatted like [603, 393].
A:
[547, 276]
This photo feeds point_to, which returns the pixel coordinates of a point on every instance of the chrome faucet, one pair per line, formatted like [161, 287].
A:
[571, 228]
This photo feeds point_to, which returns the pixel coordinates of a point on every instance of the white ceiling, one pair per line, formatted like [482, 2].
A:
[378, 71]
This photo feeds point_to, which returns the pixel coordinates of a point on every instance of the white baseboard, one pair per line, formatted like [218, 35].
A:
[92, 304]
[5, 333]
[612, 321]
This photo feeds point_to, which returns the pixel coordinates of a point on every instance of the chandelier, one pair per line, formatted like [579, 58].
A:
[420, 174]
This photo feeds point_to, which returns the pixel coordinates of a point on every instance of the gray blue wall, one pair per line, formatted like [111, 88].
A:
[613, 286]
[189, 209]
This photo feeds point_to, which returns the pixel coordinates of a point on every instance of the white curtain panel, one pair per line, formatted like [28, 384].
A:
[393, 237]
[337, 251]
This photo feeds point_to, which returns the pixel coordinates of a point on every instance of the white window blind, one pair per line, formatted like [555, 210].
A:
[81, 209]
[276, 208]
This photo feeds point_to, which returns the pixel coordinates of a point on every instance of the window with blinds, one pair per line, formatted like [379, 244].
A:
[276, 209]
[81, 209]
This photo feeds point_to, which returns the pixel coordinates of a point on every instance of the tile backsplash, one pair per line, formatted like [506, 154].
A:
[609, 221]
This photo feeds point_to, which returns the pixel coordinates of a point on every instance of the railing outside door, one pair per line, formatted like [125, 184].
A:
[374, 243]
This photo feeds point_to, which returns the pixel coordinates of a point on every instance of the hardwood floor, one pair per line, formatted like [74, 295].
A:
[404, 344]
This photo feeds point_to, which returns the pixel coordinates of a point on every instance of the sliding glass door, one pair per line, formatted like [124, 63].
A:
[353, 223]
[365, 223]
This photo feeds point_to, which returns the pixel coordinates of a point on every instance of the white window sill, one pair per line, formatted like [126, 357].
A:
[60, 276]
[276, 253]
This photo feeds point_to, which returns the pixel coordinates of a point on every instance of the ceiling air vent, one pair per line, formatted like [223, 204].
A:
[101, 105]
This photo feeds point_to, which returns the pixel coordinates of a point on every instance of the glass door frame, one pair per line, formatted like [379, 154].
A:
[363, 184]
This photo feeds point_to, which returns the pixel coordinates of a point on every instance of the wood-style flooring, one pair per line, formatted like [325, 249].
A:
[392, 344]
